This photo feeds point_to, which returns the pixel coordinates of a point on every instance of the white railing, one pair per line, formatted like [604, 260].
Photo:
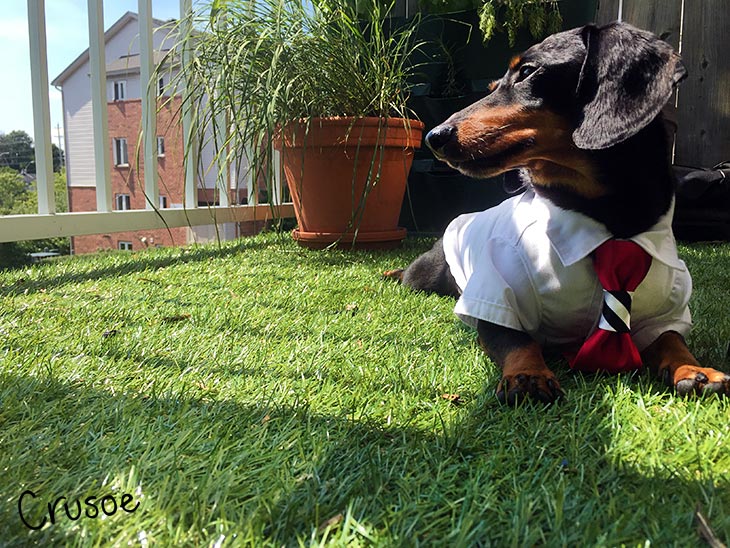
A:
[47, 223]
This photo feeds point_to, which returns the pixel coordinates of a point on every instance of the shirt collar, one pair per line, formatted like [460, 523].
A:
[574, 236]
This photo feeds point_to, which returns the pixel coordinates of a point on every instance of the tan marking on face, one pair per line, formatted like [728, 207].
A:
[515, 61]
[551, 158]
[494, 84]
[573, 172]
[483, 128]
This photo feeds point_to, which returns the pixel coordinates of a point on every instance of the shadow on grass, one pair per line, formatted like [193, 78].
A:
[279, 473]
[141, 261]
[137, 262]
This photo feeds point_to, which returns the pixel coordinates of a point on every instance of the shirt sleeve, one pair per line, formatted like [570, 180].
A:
[673, 316]
[498, 288]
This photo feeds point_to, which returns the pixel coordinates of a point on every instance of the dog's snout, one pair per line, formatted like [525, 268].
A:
[440, 136]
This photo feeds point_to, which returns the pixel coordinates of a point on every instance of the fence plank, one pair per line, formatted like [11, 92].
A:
[662, 18]
[607, 11]
[704, 99]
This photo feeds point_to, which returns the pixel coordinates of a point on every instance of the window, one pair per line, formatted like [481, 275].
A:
[161, 87]
[120, 152]
[163, 202]
[123, 202]
[125, 246]
[120, 90]
[160, 146]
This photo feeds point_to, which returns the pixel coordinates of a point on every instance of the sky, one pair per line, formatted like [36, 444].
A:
[67, 36]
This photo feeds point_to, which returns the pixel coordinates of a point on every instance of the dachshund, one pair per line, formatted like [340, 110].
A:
[579, 116]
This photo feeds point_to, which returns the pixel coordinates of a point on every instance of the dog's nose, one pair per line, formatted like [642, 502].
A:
[439, 137]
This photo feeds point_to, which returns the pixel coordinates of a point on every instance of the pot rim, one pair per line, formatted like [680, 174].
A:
[357, 120]
[400, 132]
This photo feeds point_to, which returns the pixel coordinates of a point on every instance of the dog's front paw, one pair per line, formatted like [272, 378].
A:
[692, 379]
[539, 385]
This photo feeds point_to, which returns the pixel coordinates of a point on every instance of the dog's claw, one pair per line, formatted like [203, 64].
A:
[555, 389]
[541, 387]
[690, 379]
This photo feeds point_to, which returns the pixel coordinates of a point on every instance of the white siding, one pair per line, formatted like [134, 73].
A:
[79, 128]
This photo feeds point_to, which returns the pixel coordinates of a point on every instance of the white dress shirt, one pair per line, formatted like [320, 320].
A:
[525, 264]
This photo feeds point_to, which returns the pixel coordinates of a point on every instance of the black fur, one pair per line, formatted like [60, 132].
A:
[626, 79]
[430, 273]
[640, 178]
[609, 85]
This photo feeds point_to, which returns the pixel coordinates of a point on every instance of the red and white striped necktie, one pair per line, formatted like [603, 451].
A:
[620, 265]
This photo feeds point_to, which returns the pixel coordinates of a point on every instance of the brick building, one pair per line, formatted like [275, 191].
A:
[124, 110]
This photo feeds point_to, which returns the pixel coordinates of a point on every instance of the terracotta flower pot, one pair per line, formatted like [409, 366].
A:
[347, 179]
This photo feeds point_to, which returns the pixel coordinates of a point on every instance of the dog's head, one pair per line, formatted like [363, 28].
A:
[577, 91]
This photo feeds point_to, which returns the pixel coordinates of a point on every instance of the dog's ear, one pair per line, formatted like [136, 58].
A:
[627, 77]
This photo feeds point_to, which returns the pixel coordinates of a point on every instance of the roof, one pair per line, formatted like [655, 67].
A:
[108, 35]
[131, 63]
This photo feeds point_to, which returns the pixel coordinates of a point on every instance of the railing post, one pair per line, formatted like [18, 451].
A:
[221, 130]
[41, 108]
[97, 63]
[277, 192]
[149, 104]
[223, 165]
[188, 121]
[250, 176]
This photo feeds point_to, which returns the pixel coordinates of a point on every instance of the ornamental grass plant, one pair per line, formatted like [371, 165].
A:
[256, 66]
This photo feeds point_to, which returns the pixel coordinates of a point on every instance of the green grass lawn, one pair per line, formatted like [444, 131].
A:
[262, 394]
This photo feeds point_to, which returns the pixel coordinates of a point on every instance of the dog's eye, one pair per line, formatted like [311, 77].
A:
[525, 71]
